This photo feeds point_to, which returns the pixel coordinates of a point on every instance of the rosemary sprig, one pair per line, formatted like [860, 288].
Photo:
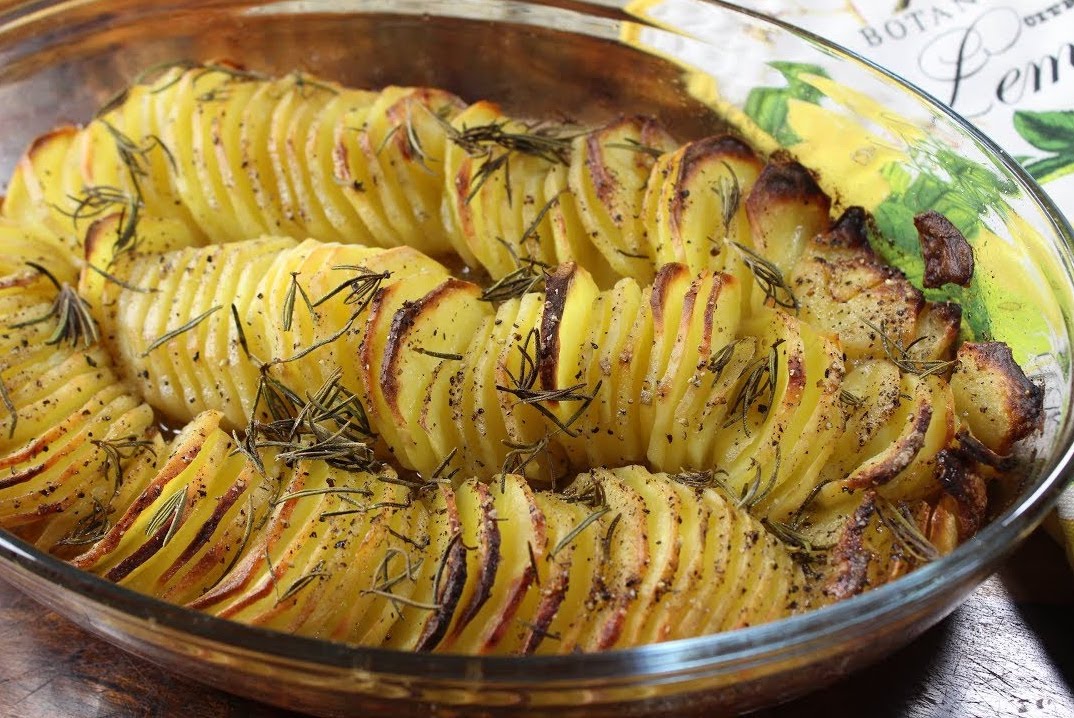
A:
[720, 360]
[334, 448]
[761, 377]
[402, 600]
[95, 200]
[523, 387]
[90, 528]
[592, 495]
[135, 156]
[524, 279]
[546, 142]
[330, 339]
[445, 558]
[905, 531]
[768, 278]
[519, 457]
[796, 517]
[483, 141]
[330, 426]
[414, 146]
[531, 230]
[302, 581]
[241, 333]
[233, 74]
[170, 514]
[753, 494]
[172, 334]
[293, 291]
[360, 288]
[247, 447]
[388, 582]
[790, 535]
[74, 323]
[606, 542]
[421, 546]
[116, 451]
[901, 357]
[306, 86]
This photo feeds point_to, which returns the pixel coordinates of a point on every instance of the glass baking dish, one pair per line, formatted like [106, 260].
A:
[701, 67]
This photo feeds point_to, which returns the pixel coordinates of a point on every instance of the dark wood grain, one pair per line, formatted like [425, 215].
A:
[1009, 651]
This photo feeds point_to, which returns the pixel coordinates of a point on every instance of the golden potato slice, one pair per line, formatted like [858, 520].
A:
[571, 240]
[786, 209]
[425, 617]
[481, 534]
[993, 397]
[517, 515]
[663, 522]
[609, 171]
[697, 204]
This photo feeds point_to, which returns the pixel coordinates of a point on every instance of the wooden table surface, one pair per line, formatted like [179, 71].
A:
[1009, 651]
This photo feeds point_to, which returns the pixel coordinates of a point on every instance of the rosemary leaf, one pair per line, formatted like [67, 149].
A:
[533, 564]
[901, 357]
[116, 280]
[730, 191]
[302, 581]
[439, 355]
[167, 337]
[634, 146]
[439, 473]
[341, 490]
[905, 531]
[247, 532]
[402, 600]
[170, 513]
[768, 278]
[851, 400]
[90, 528]
[577, 531]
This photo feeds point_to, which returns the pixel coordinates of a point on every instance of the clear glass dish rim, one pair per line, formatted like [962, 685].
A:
[685, 658]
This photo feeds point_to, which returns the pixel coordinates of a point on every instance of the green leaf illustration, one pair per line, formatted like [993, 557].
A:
[767, 106]
[1051, 168]
[1051, 132]
[1048, 131]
